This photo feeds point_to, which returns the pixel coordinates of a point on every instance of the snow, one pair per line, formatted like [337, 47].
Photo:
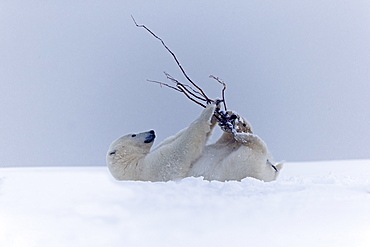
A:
[310, 204]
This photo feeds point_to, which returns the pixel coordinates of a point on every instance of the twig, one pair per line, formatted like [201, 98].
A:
[164, 84]
[175, 58]
[196, 95]
[223, 90]
[179, 88]
[187, 88]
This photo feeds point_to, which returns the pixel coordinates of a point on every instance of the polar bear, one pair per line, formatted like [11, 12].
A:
[130, 158]
[236, 155]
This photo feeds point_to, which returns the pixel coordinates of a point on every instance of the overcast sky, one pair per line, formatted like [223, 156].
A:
[73, 74]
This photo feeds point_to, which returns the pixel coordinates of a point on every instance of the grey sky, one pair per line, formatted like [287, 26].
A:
[73, 74]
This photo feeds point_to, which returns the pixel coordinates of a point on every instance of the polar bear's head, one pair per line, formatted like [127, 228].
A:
[127, 150]
[141, 142]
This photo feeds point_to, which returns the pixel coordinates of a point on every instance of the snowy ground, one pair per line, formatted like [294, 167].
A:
[311, 204]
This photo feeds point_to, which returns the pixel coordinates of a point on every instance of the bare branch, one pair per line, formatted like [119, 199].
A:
[187, 95]
[164, 84]
[187, 88]
[175, 58]
[196, 94]
[223, 90]
[180, 88]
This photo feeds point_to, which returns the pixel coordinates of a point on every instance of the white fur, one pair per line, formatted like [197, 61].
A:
[129, 158]
[233, 157]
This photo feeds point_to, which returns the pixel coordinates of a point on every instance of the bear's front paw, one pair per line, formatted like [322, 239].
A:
[209, 111]
[227, 120]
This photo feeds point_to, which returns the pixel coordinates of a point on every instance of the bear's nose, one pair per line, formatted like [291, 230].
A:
[150, 138]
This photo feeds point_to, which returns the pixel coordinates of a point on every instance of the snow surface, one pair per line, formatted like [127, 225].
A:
[310, 204]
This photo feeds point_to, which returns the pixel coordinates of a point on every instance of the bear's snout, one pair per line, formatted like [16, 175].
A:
[150, 138]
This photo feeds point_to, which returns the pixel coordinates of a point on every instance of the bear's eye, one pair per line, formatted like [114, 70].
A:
[114, 152]
[133, 135]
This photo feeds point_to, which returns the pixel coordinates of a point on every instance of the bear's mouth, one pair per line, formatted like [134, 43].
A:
[150, 138]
